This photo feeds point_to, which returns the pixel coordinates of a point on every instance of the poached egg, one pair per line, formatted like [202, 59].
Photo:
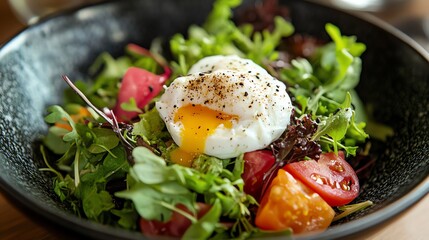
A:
[225, 106]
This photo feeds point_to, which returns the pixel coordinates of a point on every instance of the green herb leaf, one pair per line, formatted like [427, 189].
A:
[220, 36]
[238, 168]
[335, 126]
[113, 167]
[205, 226]
[54, 140]
[58, 114]
[156, 196]
[103, 140]
[149, 168]
[128, 216]
[96, 202]
[64, 188]
[154, 204]
[151, 127]
[131, 106]
[113, 68]
[208, 164]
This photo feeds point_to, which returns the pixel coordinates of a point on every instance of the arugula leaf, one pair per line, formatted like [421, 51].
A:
[113, 167]
[377, 130]
[323, 86]
[337, 125]
[346, 49]
[336, 66]
[355, 132]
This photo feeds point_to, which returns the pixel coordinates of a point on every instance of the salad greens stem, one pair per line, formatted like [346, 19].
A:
[329, 140]
[106, 149]
[112, 121]
[50, 168]
[313, 102]
[109, 174]
[85, 99]
[117, 130]
[352, 208]
[173, 208]
[76, 166]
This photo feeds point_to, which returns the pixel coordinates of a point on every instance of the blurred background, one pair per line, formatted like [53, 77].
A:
[9, 24]
[29, 11]
[410, 16]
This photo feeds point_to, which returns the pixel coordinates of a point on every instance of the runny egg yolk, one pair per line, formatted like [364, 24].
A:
[198, 123]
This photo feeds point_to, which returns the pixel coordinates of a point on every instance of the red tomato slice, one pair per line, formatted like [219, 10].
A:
[331, 177]
[288, 203]
[141, 85]
[176, 226]
[256, 164]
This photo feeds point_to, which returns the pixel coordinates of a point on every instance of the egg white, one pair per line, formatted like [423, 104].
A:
[233, 86]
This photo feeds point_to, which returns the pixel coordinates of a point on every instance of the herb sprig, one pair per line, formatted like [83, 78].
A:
[156, 188]
[323, 87]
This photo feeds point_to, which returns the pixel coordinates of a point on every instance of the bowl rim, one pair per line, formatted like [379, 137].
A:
[100, 231]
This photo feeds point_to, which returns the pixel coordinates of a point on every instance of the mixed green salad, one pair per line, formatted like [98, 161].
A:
[114, 161]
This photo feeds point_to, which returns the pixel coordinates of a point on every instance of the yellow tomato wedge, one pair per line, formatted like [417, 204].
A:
[288, 203]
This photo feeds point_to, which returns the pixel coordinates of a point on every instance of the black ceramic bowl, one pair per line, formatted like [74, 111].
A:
[395, 81]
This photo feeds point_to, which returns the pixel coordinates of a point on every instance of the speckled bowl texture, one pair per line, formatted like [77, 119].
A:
[395, 81]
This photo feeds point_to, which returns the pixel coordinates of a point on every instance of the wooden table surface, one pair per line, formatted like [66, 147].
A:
[410, 224]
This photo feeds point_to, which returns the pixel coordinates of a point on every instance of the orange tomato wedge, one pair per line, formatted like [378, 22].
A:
[289, 204]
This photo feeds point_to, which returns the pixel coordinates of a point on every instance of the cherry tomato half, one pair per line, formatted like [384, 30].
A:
[288, 203]
[176, 226]
[256, 164]
[331, 177]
